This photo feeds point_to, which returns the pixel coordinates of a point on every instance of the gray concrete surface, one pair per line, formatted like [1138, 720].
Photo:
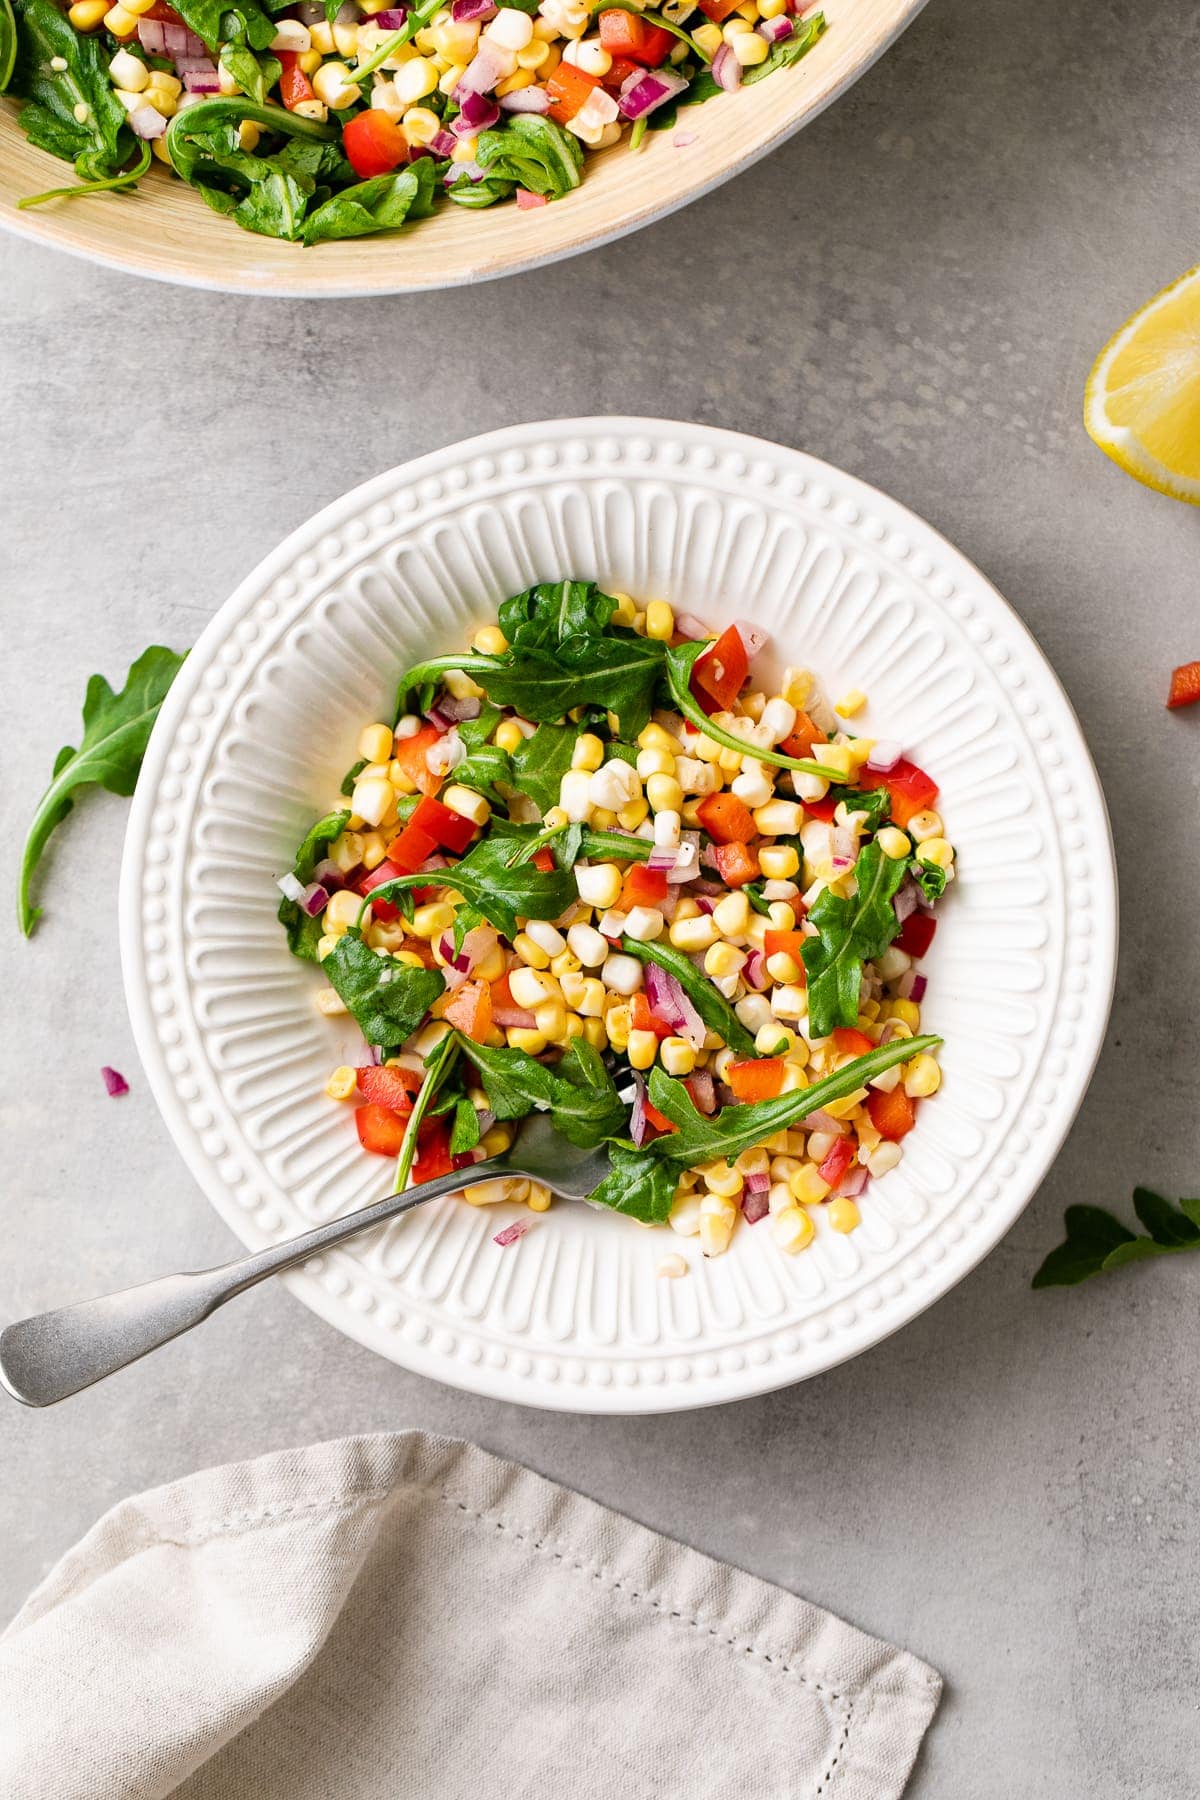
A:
[915, 289]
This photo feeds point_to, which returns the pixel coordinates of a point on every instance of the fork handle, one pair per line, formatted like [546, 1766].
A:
[52, 1355]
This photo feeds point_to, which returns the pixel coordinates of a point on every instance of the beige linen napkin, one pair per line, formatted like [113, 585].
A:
[403, 1615]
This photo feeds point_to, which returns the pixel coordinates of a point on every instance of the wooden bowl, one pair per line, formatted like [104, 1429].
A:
[166, 231]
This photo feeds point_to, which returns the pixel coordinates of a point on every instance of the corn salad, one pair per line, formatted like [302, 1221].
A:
[332, 123]
[716, 853]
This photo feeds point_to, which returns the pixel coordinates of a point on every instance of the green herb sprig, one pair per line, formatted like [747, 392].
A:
[1097, 1242]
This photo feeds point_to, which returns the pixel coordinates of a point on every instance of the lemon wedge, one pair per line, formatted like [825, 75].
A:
[1142, 403]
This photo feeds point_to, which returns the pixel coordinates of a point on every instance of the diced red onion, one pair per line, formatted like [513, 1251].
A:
[290, 887]
[200, 78]
[485, 1120]
[457, 959]
[671, 1004]
[114, 1081]
[147, 122]
[683, 140]
[775, 30]
[755, 1204]
[643, 92]
[687, 857]
[330, 876]
[687, 624]
[512, 1233]
[703, 1091]
[437, 717]
[853, 1181]
[725, 1094]
[885, 755]
[470, 12]
[714, 890]
[705, 902]
[823, 1121]
[662, 858]
[314, 899]
[759, 1182]
[669, 904]
[479, 113]
[843, 842]
[752, 636]
[905, 902]
[526, 100]
[904, 985]
[920, 983]
[726, 70]
[754, 971]
[841, 865]
[392, 18]
[454, 977]
[458, 710]
[513, 1018]
[489, 65]
[170, 40]
[443, 144]
[433, 863]
[611, 928]
[446, 754]
[637, 1117]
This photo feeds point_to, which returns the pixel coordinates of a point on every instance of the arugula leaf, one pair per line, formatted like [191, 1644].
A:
[268, 193]
[547, 615]
[464, 1132]
[484, 770]
[304, 933]
[127, 179]
[387, 999]
[753, 891]
[255, 75]
[616, 751]
[852, 931]
[355, 770]
[712, 1005]
[476, 732]
[659, 20]
[57, 70]
[618, 673]
[640, 1186]
[789, 51]
[700, 1138]
[876, 803]
[679, 663]
[579, 1091]
[216, 20]
[929, 878]
[534, 153]
[438, 1065]
[540, 762]
[116, 730]
[381, 204]
[8, 43]
[499, 891]
[1097, 1242]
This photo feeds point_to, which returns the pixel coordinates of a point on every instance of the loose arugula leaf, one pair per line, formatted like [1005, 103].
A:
[59, 70]
[387, 999]
[579, 1091]
[116, 730]
[533, 153]
[679, 663]
[218, 20]
[383, 203]
[615, 672]
[1097, 1242]
[700, 1138]
[464, 1132]
[304, 933]
[789, 51]
[712, 1006]
[640, 1186]
[498, 890]
[8, 43]
[255, 75]
[352, 774]
[929, 878]
[540, 762]
[128, 178]
[547, 615]
[852, 931]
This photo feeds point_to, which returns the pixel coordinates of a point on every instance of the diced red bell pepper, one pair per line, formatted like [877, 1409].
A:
[848, 1041]
[388, 870]
[470, 1010]
[294, 85]
[622, 68]
[643, 887]
[645, 1020]
[390, 1087]
[718, 675]
[736, 864]
[543, 859]
[821, 809]
[379, 1130]
[626, 34]
[783, 943]
[411, 753]
[892, 1114]
[916, 934]
[837, 1161]
[718, 10]
[911, 789]
[449, 829]
[760, 1078]
[569, 89]
[659, 1120]
[726, 819]
[1185, 685]
[804, 734]
[374, 144]
[433, 1151]
[410, 850]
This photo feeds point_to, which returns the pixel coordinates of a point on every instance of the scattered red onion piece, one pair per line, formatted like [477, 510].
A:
[726, 70]
[775, 30]
[920, 983]
[643, 92]
[689, 626]
[754, 971]
[755, 1205]
[514, 1018]
[885, 755]
[703, 1091]
[488, 66]
[752, 636]
[114, 1081]
[683, 139]
[853, 1182]
[314, 900]
[468, 12]
[443, 144]
[458, 710]
[759, 1182]
[526, 100]
[905, 902]
[511, 1233]
[687, 858]
[823, 1121]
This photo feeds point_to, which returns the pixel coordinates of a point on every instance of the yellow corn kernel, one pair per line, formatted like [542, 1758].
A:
[772, 9]
[782, 967]
[709, 36]
[641, 1049]
[539, 1197]
[655, 762]
[836, 756]
[693, 934]
[792, 1229]
[467, 804]
[924, 825]
[374, 849]
[120, 22]
[842, 1109]
[248, 135]
[851, 703]
[625, 608]
[721, 960]
[409, 958]
[496, 1140]
[508, 736]
[936, 850]
[664, 793]
[327, 944]
[750, 49]
[342, 1083]
[618, 1021]
[892, 842]
[596, 1033]
[520, 1037]
[593, 999]
[655, 738]
[677, 1056]
[551, 1020]
[737, 26]
[565, 963]
[421, 126]
[375, 743]
[588, 752]
[844, 1214]
[731, 915]
[806, 1186]
[906, 1012]
[922, 1077]
[721, 1178]
[534, 54]
[310, 62]
[631, 816]
[342, 912]
[430, 921]
[489, 639]
[512, 84]
[717, 1218]
[488, 1193]
[778, 862]
[86, 15]
[660, 621]
[530, 953]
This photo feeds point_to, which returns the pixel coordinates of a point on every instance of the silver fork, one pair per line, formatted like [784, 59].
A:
[52, 1355]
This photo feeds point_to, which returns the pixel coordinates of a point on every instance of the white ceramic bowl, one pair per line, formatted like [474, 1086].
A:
[167, 232]
[261, 724]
